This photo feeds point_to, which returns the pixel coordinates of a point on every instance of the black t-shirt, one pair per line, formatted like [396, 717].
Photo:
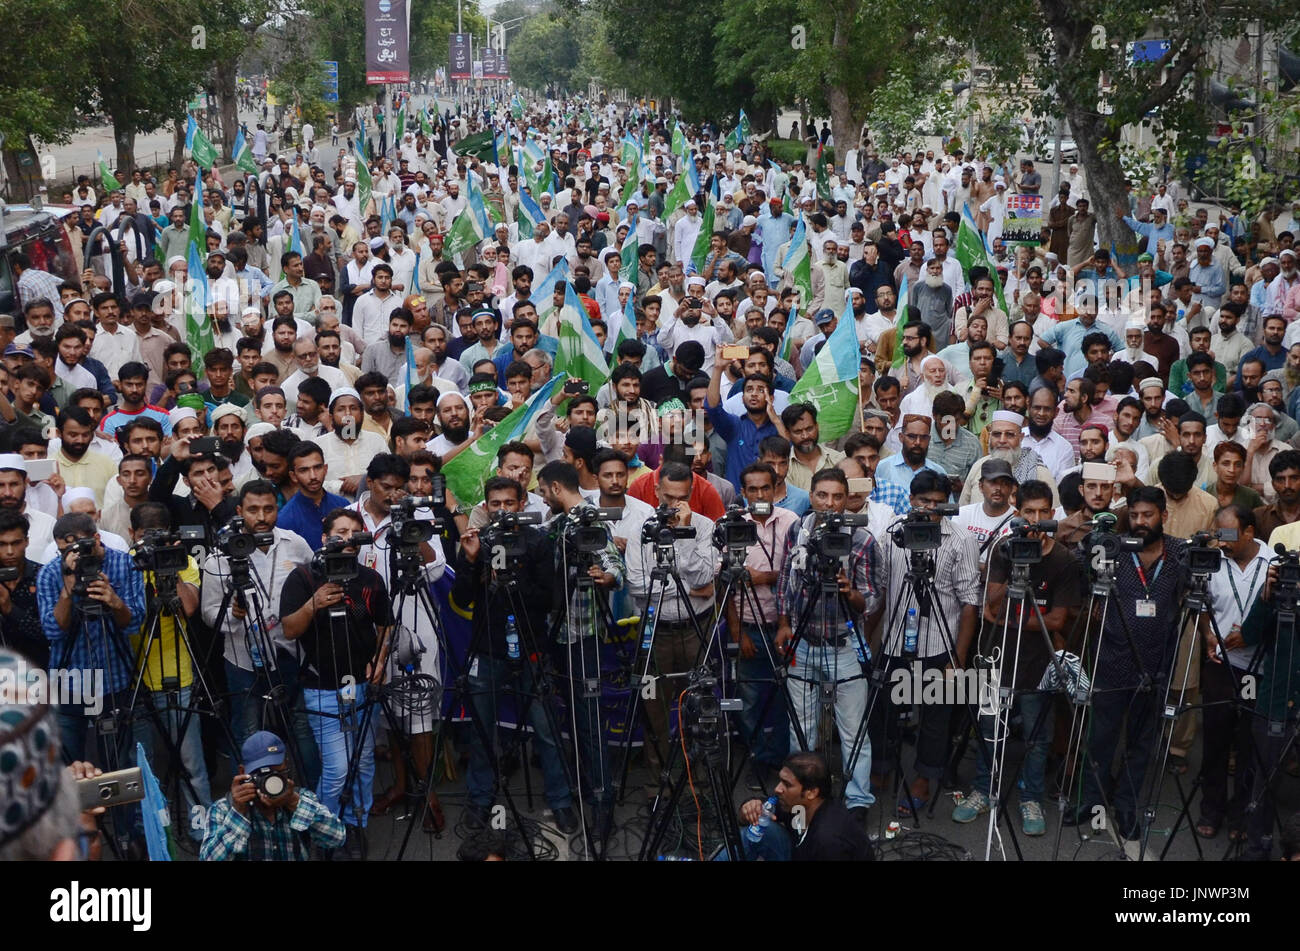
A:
[335, 650]
[833, 836]
[1055, 583]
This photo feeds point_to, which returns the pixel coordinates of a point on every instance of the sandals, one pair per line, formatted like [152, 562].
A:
[910, 804]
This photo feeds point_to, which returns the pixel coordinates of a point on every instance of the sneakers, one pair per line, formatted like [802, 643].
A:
[1031, 818]
[971, 807]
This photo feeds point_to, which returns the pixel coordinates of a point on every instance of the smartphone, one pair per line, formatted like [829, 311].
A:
[736, 352]
[112, 789]
[576, 387]
[38, 470]
[863, 486]
[205, 444]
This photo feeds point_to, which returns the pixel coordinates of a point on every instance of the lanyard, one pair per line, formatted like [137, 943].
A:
[1146, 586]
[1250, 589]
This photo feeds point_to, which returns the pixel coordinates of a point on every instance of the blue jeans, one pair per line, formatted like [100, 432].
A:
[488, 679]
[766, 731]
[190, 746]
[327, 715]
[248, 712]
[1032, 705]
[817, 665]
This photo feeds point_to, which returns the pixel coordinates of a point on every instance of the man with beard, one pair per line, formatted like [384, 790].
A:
[388, 356]
[132, 381]
[284, 331]
[373, 308]
[13, 498]
[1271, 353]
[373, 388]
[932, 298]
[348, 448]
[743, 433]
[884, 320]
[441, 365]
[310, 503]
[1075, 410]
[671, 379]
[77, 466]
[1005, 444]
[1096, 490]
[307, 355]
[454, 417]
[917, 345]
[207, 503]
[1138, 641]
[487, 331]
[687, 325]
[1040, 435]
[983, 305]
[901, 467]
[807, 455]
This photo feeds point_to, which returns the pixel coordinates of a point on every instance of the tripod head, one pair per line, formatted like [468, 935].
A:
[1203, 560]
[503, 536]
[336, 560]
[1103, 546]
[89, 565]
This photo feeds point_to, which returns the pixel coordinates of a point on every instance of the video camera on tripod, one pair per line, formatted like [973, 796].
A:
[166, 553]
[1286, 592]
[504, 533]
[1202, 559]
[831, 538]
[237, 543]
[87, 570]
[660, 531]
[1024, 544]
[918, 531]
[734, 534]
[335, 563]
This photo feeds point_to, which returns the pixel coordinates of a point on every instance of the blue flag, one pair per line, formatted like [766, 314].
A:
[190, 128]
[295, 237]
[153, 809]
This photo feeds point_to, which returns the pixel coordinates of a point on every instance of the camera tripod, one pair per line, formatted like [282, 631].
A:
[642, 682]
[165, 604]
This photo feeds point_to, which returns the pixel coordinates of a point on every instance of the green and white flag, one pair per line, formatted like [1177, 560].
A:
[106, 178]
[823, 175]
[831, 381]
[365, 184]
[627, 253]
[679, 140]
[701, 249]
[243, 154]
[204, 152]
[970, 251]
[401, 128]
[626, 327]
[579, 353]
[471, 226]
[798, 263]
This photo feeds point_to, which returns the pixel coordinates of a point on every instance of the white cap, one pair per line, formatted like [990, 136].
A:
[181, 412]
[12, 460]
[1007, 416]
[228, 409]
[1203, 243]
[79, 492]
[748, 221]
[341, 392]
[258, 429]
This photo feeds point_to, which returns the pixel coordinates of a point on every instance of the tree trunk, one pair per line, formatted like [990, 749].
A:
[844, 128]
[228, 103]
[124, 142]
[1106, 179]
[178, 144]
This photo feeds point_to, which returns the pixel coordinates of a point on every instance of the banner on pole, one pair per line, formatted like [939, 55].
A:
[460, 58]
[388, 55]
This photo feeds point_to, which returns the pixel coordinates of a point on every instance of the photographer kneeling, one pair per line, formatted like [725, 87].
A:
[808, 825]
[265, 817]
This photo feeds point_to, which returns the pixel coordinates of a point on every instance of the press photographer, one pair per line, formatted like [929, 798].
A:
[939, 581]
[266, 817]
[509, 603]
[751, 619]
[339, 613]
[1037, 616]
[239, 597]
[830, 579]
[682, 540]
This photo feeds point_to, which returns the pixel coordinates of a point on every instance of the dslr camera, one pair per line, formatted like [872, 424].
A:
[659, 530]
[335, 563]
[235, 540]
[268, 781]
[87, 570]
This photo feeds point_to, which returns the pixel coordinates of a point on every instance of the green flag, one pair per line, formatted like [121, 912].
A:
[701, 249]
[679, 140]
[628, 255]
[579, 353]
[798, 263]
[681, 191]
[823, 177]
[465, 232]
[365, 184]
[629, 189]
[970, 251]
[733, 140]
[401, 127]
[479, 144]
[426, 130]
[106, 178]
[744, 128]
[198, 226]
[204, 152]
[831, 381]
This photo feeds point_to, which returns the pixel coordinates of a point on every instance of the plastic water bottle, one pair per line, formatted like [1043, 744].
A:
[254, 649]
[512, 638]
[755, 832]
[911, 631]
[859, 645]
[674, 858]
[648, 629]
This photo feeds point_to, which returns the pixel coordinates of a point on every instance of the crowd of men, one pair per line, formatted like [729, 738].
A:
[342, 379]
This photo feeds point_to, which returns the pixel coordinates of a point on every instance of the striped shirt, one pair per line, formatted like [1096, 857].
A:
[956, 584]
[826, 622]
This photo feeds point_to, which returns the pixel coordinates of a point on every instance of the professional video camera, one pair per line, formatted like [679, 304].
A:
[918, 531]
[1024, 544]
[1202, 559]
[659, 530]
[584, 532]
[504, 533]
[268, 782]
[1104, 542]
[10, 574]
[236, 542]
[1286, 592]
[735, 533]
[831, 537]
[405, 526]
[87, 570]
[164, 552]
[334, 562]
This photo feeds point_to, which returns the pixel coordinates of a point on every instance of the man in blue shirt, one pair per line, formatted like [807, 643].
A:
[901, 467]
[1158, 229]
[304, 513]
[742, 433]
[83, 642]
[1067, 336]
[775, 451]
[1210, 282]
[774, 227]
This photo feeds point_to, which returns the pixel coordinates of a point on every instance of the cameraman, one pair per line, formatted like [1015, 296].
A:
[387, 475]
[945, 632]
[249, 825]
[84, 643]
[677, 646]
[343, 656]
[20, 616]
[768, 738]
[826, 651]
[1054, 583]
[480, 586]
[1137, 643]
[268, 566]
[168, 668]
[579, 619]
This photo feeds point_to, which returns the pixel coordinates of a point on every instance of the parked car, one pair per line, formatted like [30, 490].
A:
[39, 235]
[1069, 150]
